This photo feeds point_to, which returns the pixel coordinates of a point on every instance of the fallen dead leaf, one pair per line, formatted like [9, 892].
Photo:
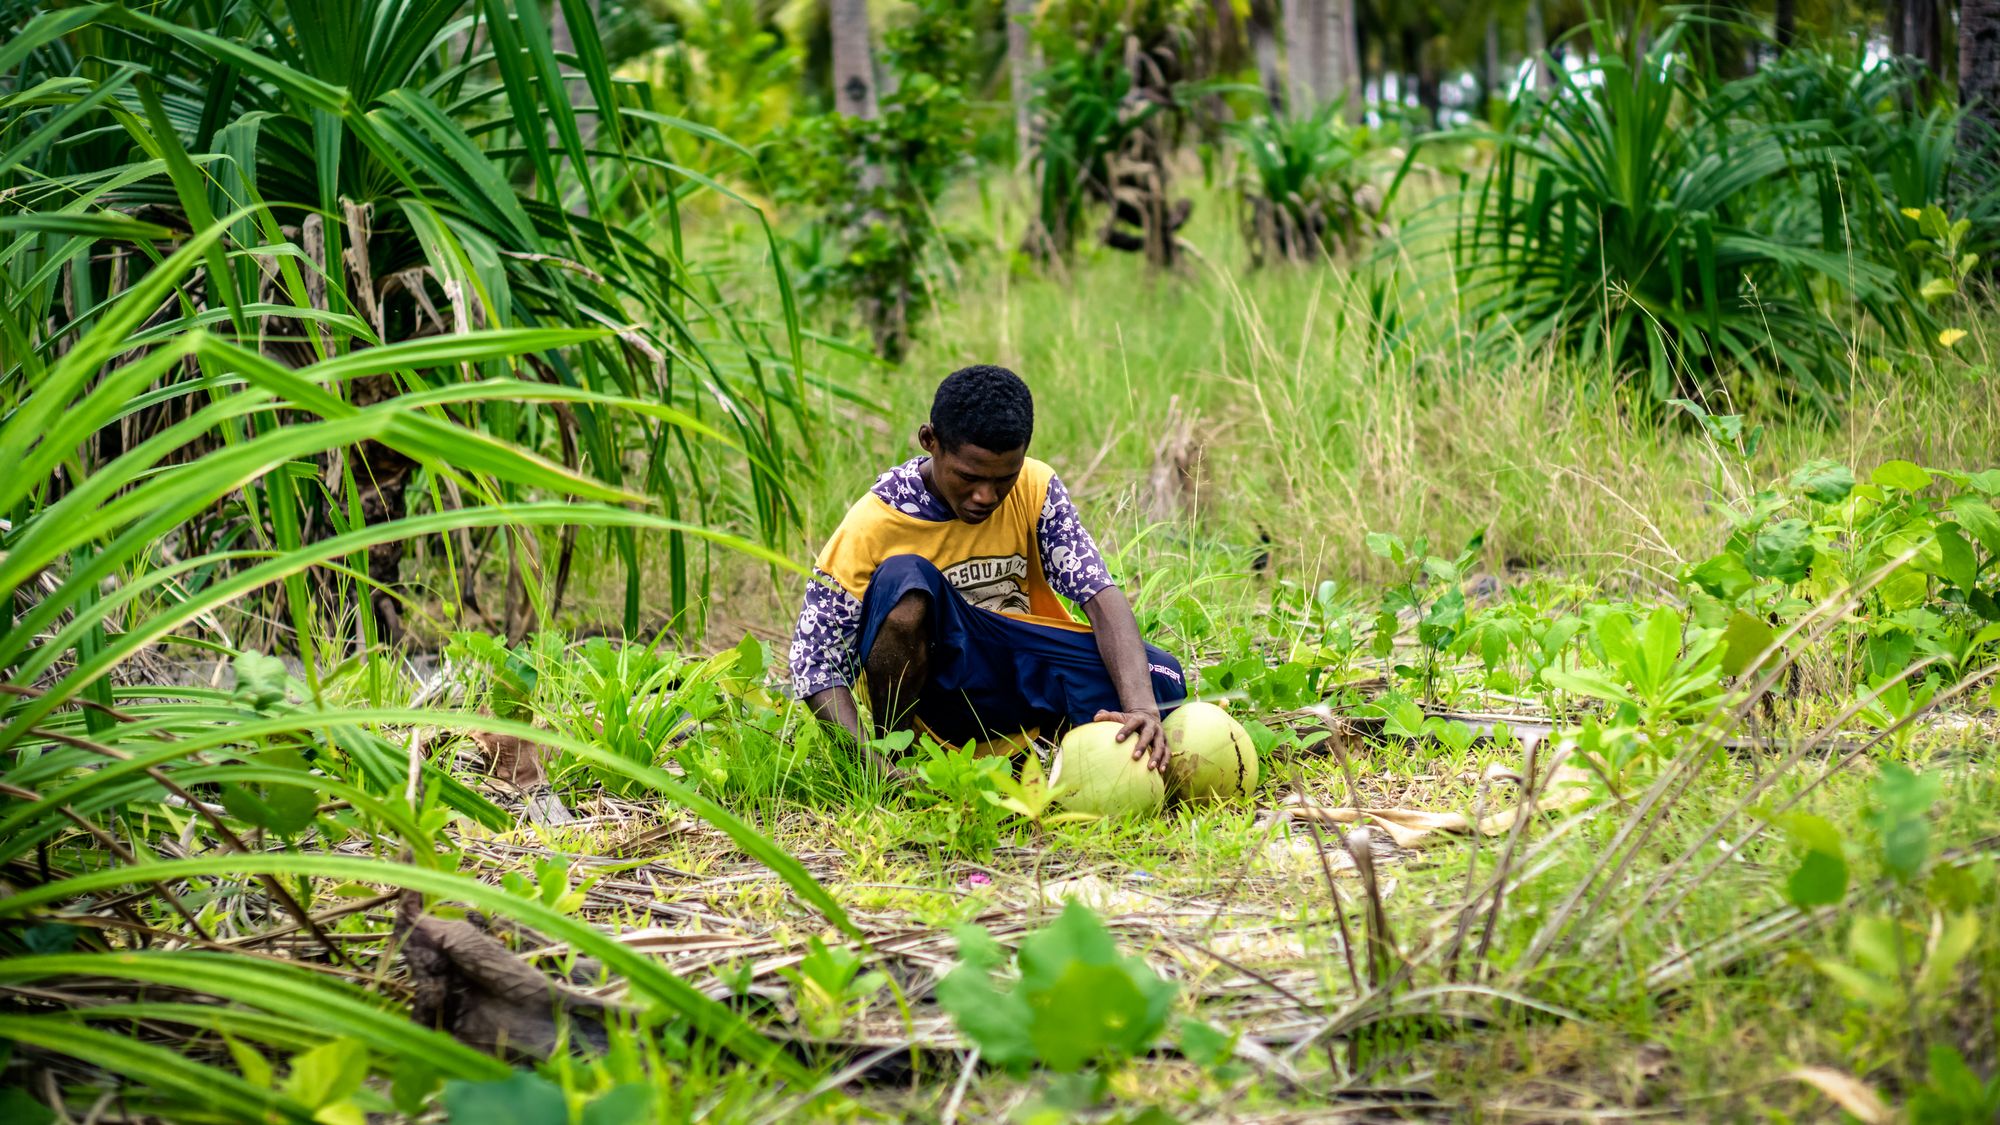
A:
[1845, 1091]
[1099, 894]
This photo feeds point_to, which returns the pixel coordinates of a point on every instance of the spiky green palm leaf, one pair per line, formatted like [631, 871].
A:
[191, 337]
[1623, 217]
[92, 780]
[440, 168]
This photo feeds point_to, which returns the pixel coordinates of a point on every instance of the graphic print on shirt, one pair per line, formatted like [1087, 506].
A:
[995, 582]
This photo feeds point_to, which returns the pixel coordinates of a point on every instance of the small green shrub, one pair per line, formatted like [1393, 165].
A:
[873, 183]
[1110, 107]
[1626, 219]
[1080, 1007]
[1304, 184]
[1902, 148]
[830, 989]
[960, 796]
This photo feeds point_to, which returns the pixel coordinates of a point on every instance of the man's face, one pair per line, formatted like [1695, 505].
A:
[971, 480]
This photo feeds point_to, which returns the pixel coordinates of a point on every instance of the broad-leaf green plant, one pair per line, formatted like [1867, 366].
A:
[1078, 1007]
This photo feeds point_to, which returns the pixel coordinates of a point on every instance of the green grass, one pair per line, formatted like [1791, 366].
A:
[712, 862]
[1309, 436]
[1305, 432]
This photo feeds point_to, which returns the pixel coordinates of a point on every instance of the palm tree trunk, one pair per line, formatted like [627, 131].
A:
[1264, 49]
[1409, 48]
[1021, 73]
[1298, 53]
[1489, 66]
[1343, 58]
[1538, 46]
[1979, 82]
[1305, 51]
[1916, 33]
[1320, 48]
[853, 58]
[1930, 38]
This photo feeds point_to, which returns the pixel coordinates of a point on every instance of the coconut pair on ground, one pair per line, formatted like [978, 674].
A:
[1212, 760]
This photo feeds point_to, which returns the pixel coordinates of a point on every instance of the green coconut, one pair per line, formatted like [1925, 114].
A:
[1213, 757]
[1101, 776]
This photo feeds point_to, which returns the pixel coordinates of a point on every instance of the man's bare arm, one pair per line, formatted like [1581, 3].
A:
[835, 706]
[1124, 657]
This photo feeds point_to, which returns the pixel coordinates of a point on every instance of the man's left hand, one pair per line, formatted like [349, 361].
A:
[1143, 729]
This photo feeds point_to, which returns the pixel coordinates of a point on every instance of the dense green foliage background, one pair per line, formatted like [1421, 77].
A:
[385, 383]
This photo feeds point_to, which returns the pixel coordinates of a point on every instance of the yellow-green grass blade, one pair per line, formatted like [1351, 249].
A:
[195, 741]
[285, 990]
[647, 977]
[214, 1089]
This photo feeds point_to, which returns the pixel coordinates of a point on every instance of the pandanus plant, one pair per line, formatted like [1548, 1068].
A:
[250, 267]
[1621, 218]
[434, 166]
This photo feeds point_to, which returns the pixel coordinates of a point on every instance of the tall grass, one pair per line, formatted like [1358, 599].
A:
[103, 779]
[1311, 431]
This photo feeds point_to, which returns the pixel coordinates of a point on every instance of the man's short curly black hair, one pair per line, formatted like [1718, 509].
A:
[983, 405]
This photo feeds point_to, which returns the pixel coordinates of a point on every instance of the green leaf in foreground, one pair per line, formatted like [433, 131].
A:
[1079, 1002]
[1746, 639]
[1903, 799]
[1821, 880]
[1901, 474]
[1827, 482]
[1978, 517]
[1821, 877]
[260, 679]
[1782, 551]
[1724, 576]
[18, 1107]
[525, 1098]
[1957, 563]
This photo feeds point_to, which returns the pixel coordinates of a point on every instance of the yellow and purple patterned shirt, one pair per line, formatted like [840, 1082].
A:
[1032, 549]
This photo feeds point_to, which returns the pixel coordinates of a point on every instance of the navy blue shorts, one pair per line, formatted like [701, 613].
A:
[993, 675]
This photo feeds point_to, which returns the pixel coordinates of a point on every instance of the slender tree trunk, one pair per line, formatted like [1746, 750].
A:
[1319, 51]
[1430, 78]
[1784, 25]
[1021, 73]
[1409, 77]
[1323, 56]
[1930, 32]
[854, 94]
[853, 58]
[1264, 49]
[1297, 16]
[1489, 66]
[1220, 48]
[1916, 33]
[1344, 58]
[1538, 46]
[1979, 82]
[1361, 61]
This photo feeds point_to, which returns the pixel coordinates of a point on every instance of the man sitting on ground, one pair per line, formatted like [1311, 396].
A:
[941, 585]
